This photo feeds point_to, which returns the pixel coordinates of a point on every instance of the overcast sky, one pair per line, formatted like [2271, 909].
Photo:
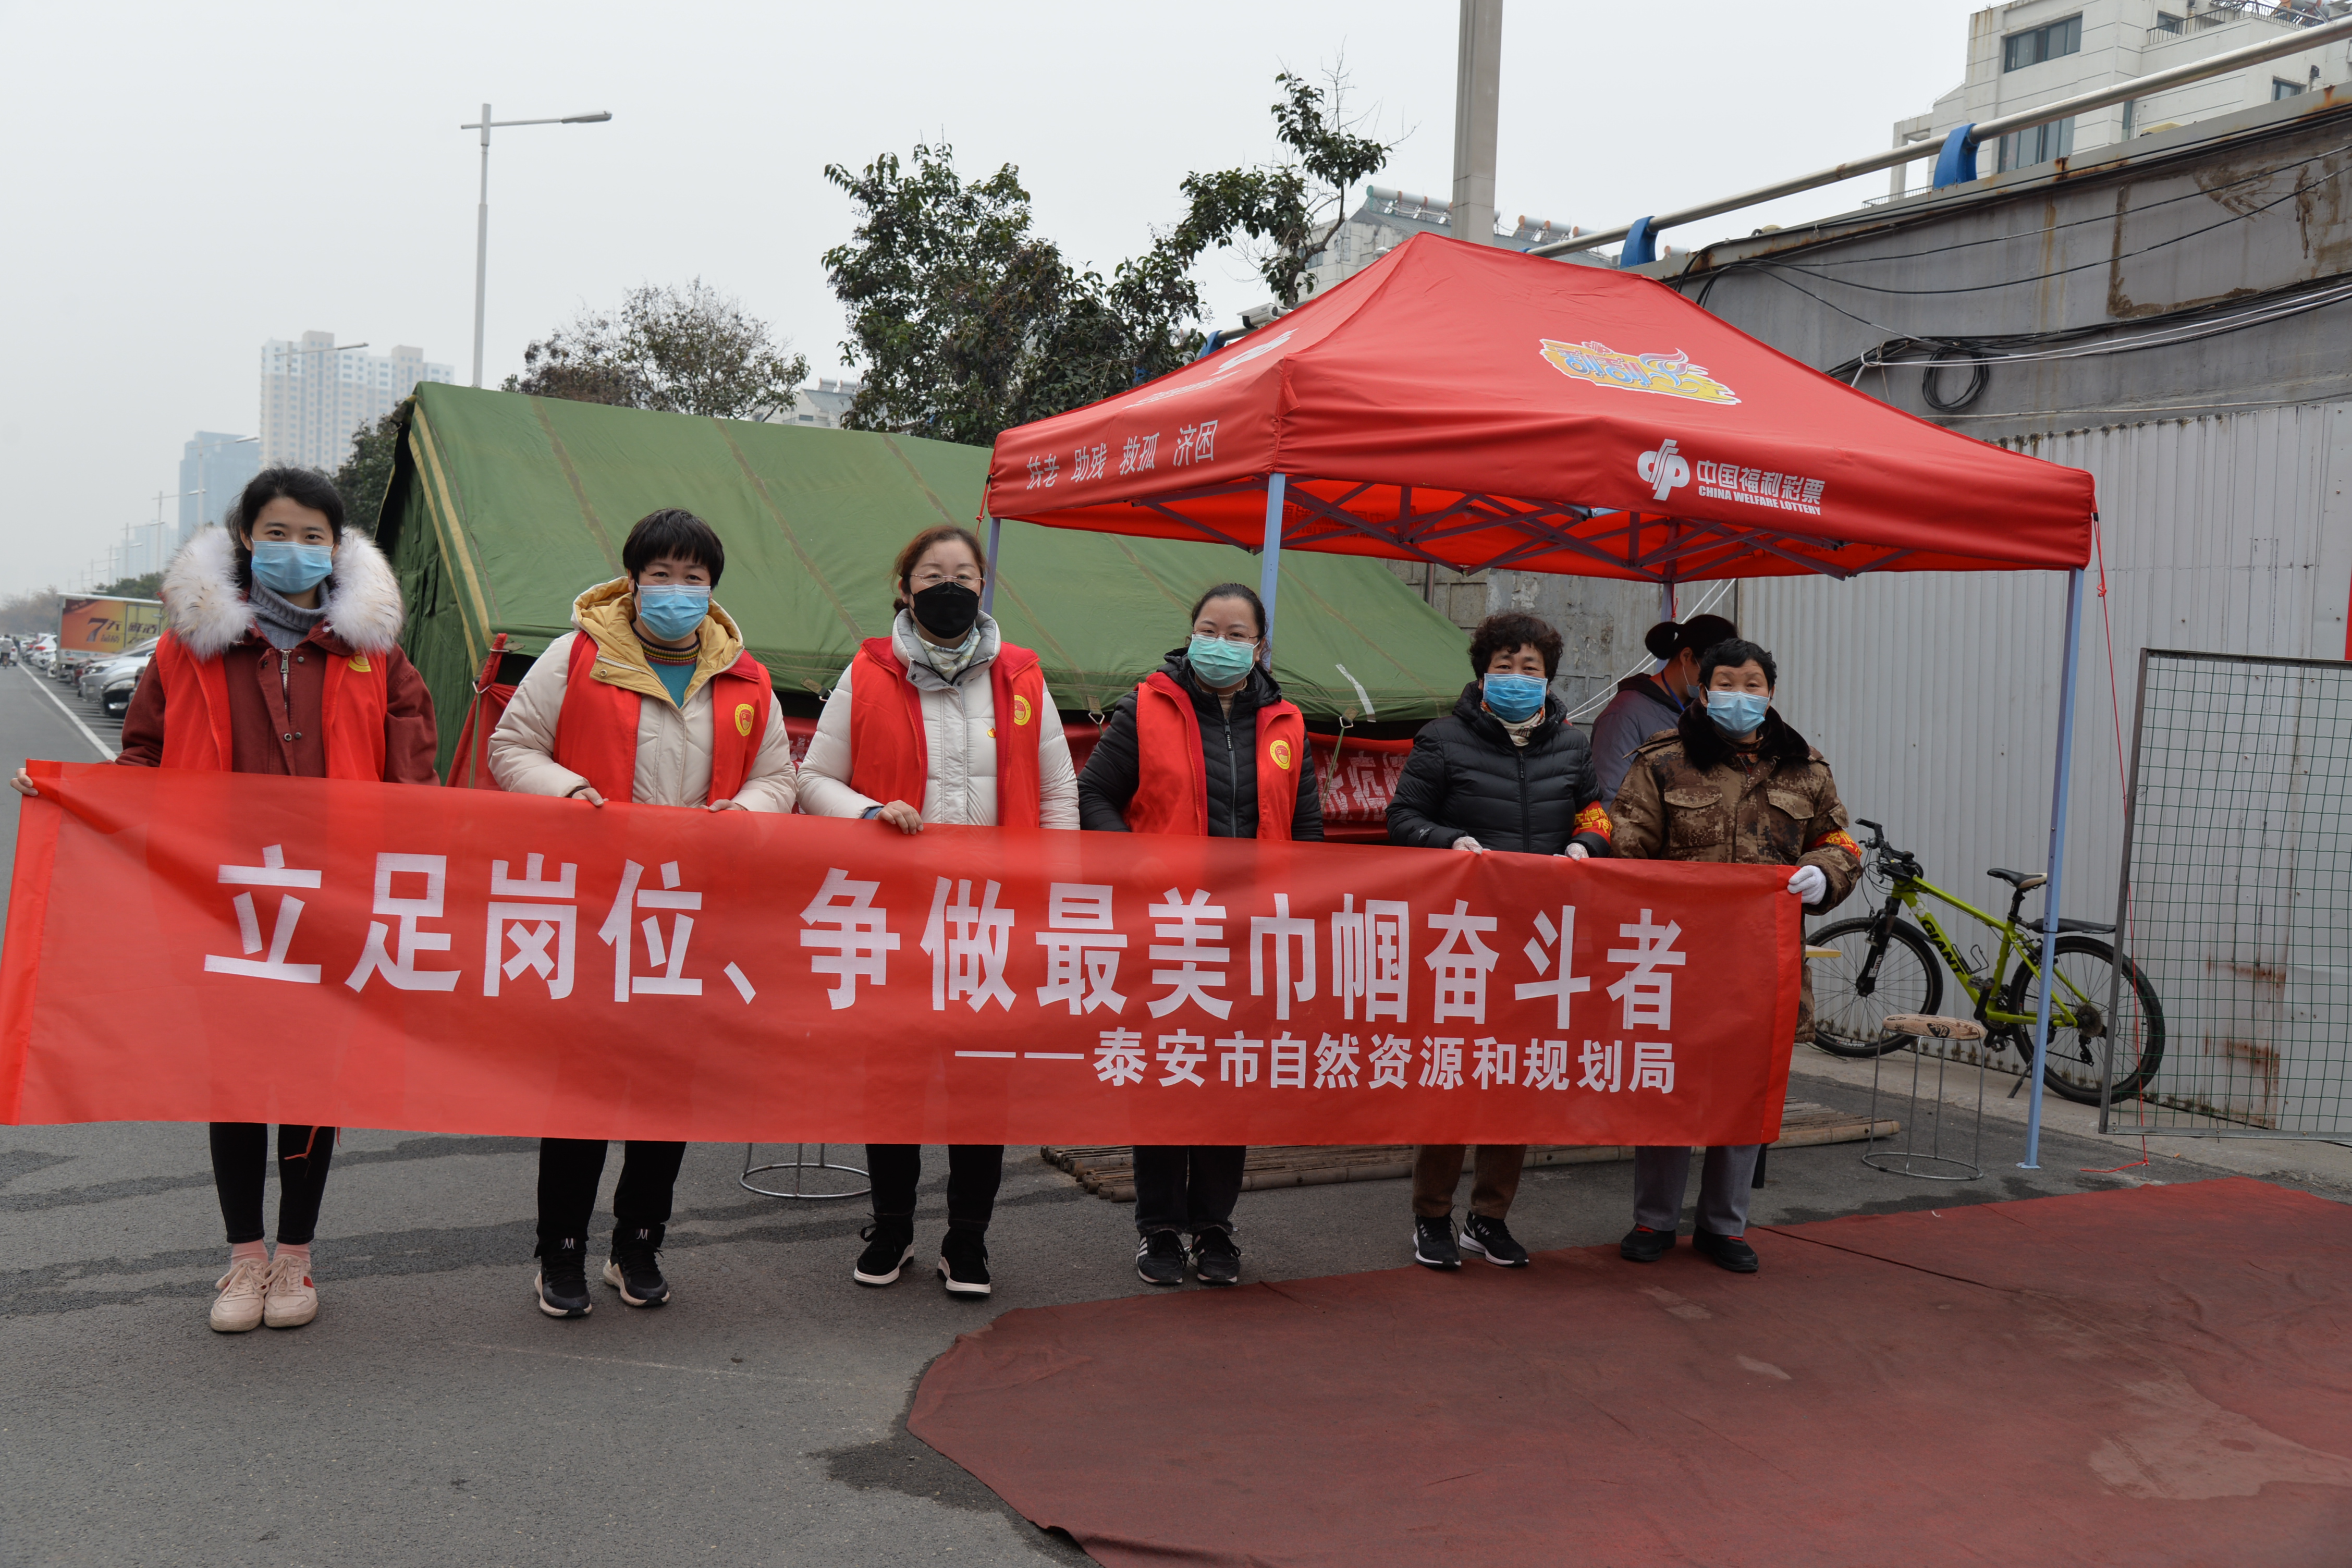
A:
[183, 182]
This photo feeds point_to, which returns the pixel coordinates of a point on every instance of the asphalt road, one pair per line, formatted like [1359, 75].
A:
[431, 1416]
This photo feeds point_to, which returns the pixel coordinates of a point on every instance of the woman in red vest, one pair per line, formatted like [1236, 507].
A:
[943, 721]
[279, 655]
[652, 700]
[1207, 745]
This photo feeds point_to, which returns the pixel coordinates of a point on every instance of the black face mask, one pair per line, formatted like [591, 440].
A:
[946, 609]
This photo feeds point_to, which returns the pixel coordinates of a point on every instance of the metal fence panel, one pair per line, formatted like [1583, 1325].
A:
[2236, 894]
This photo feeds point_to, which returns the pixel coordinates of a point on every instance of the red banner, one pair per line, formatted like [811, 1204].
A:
[233, 947]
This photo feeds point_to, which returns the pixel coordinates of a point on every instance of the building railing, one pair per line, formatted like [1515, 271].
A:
[2215, 14]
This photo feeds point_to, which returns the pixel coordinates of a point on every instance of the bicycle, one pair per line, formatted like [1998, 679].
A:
[1889, 966]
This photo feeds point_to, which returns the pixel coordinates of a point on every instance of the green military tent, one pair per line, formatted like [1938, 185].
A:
[502, 508]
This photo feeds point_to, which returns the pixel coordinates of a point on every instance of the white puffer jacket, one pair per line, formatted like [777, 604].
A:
[673, 760]
[959, 736]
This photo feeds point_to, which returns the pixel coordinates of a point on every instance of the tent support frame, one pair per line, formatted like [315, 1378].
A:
[2050, 891]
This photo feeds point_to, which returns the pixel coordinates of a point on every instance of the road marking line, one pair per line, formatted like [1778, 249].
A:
[109, 752]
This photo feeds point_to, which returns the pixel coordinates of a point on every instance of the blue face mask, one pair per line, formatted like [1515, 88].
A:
[1515, 698]
[285, 567]
[1218, 662]
[671, 611]
[1737, 713]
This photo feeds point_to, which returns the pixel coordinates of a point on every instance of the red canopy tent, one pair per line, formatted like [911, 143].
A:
[1474, 407]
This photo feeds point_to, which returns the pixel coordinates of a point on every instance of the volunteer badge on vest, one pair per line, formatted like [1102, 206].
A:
[358, 665]
[1020, 711]
[743, 718]
[1280, 752]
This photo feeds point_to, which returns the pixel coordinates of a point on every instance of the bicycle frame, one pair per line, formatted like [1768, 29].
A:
[1906, 893]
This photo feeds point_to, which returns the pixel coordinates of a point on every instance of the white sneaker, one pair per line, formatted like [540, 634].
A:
[291, 1299]
[239, 1305]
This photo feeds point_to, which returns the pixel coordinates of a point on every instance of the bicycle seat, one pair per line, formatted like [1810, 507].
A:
[2023, 881]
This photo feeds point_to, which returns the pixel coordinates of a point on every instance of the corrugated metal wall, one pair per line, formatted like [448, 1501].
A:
[1935, 696]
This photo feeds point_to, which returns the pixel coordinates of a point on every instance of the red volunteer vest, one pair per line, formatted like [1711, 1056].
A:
[891, 759]
[196, 730]
[1172, 784]
[597, 731]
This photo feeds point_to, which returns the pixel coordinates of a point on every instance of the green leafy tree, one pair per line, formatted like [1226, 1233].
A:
[366, 474]
[964, 322]
[144, 587]
[690, 350]
[1282, 213]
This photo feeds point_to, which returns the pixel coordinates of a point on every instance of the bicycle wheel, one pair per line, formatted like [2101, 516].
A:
[2078, 1054]
[1846, 1021]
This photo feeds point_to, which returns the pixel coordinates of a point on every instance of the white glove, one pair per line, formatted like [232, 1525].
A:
[1470, 844]
[1810, 883]
[1577, 852]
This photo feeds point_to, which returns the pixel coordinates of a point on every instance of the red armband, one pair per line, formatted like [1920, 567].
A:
[1837, 841]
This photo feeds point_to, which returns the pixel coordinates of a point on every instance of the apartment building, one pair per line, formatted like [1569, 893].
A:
[315, 395]
[2032, 52]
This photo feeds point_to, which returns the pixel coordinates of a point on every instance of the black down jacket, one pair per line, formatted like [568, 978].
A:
[1466, 777]
[1228, 744]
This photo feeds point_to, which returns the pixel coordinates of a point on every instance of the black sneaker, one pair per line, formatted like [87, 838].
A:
[1432, 1242]
[890, 1243]
[1491, 1240]
[1727, 1251]
[964, 1262]
[1215, 1259]
[1643, 1245]
[635, 1267]
[1160, 1258]
[562, 1286]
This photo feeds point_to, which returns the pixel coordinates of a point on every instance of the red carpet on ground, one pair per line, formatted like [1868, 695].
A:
[2150, 1377]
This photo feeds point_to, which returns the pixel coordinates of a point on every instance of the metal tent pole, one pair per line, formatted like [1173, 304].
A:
[1270, 573]
[988, 579]
[2050, 890]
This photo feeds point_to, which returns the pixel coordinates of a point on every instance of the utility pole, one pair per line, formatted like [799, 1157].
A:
[1477, 97]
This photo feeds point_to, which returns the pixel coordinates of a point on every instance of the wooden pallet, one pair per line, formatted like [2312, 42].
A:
[1108, 1172]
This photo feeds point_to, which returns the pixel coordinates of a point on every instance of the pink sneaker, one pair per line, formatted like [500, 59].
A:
[290, 1299]
[239, 1307]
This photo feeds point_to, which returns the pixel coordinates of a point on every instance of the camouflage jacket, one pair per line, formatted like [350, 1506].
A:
[1691, 795]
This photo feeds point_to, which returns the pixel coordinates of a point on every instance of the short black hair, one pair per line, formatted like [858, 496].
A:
[673, 530]
[303, 487]
[1700, 633]
[1509, 632]
[1234, 591]
[1730, 654]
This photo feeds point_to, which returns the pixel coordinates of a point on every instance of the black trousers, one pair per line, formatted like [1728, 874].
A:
[974, 1172]
[570, 1168]
[241, 1164]
[1192, 1187]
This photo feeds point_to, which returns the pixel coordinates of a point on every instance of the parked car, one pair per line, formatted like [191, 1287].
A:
[115, 694]
[99, 674]
[42, 651]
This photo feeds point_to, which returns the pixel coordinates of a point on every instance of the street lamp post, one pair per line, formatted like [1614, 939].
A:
[482, 211]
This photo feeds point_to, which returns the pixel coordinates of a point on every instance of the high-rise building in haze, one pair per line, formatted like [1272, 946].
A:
[314, 395]
[213, 469]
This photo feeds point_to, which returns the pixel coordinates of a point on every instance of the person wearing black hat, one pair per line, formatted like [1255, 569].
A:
[1648, 705]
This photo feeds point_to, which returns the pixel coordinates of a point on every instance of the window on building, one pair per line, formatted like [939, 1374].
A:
[2024, 149]
[2165, 22]
[2046, 42]
[2280, 88]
